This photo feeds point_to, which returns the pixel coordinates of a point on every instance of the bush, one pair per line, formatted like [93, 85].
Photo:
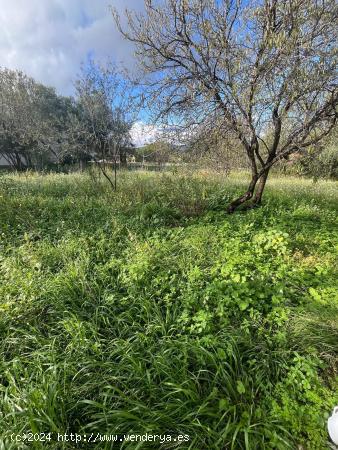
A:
[324, 165]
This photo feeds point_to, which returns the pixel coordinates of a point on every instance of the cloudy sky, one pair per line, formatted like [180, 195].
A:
[48, 39]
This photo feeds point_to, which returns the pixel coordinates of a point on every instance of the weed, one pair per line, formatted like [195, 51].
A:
[151, 310]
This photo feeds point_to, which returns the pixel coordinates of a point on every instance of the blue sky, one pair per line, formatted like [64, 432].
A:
[48, 39]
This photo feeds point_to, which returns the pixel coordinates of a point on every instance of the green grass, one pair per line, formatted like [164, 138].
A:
[151, 310]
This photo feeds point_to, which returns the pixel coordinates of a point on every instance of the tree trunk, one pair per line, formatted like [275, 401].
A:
[103, 170]
[243, 198]
[123, 158]
[257, 195]
[115, 175]
[257, 175]
[18, 163]
[260, 188]
[28, 160]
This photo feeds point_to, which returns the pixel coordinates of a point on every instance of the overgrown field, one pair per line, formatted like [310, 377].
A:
[151, 310]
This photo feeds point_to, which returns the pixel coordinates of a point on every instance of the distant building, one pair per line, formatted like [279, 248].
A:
[3, 163]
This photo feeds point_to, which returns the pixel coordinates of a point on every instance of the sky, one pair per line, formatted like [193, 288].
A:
[48, 39]
[143, 133]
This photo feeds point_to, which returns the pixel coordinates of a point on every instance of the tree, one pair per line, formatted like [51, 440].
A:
[267, 65]
[33, 120]
[212, 147]
[105, 115]
[18, 135]
[159, 152]
[319, 161]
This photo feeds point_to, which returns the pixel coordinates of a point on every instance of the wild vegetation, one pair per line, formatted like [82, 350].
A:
[131, 302]
[150, 310]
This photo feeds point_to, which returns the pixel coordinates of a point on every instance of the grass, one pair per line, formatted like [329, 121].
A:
[151, 310]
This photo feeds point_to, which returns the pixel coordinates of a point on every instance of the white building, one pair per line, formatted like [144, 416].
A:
[3, 162]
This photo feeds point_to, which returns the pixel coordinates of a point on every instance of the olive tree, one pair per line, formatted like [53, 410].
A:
[18, 133]
[32, 121]
[265, 68]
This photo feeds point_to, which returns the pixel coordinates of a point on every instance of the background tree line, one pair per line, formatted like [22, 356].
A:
[39, 128]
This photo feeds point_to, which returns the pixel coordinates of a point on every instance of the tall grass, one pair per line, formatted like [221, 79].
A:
[151, 310]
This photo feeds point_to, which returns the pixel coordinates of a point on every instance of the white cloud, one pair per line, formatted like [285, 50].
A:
[48, 39]
[143, 134]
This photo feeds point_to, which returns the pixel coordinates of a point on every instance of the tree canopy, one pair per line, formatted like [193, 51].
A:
[33, 120]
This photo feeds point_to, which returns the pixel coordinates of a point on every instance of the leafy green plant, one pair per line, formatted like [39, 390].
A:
[127, 313]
